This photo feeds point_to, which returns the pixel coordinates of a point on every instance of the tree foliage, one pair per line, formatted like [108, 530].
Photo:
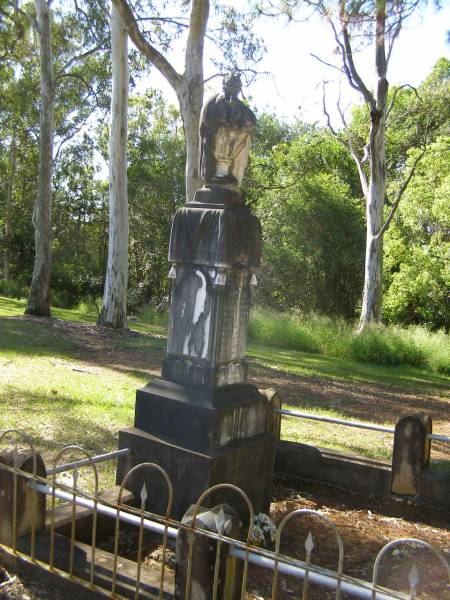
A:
[418, 245]
[307, 199]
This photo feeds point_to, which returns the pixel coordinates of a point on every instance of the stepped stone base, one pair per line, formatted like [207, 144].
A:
[246, 463]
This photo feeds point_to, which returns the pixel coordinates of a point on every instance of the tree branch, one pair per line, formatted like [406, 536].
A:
[324, 62]
[68, 137]
[349, 144]
[399, 195]
[355, 77]
[406, 85]
[87, 85]
[156, 58]
[76, 58]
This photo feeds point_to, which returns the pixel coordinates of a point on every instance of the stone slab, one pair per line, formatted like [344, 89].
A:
[411, 453]
[104, 561]
[217, 237]
[200, 418]
[30, 505]
[365, 475]
[332, 467]
[247, 464]
[83, 517]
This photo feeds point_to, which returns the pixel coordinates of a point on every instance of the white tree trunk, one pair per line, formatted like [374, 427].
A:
[188, 86]
[114, 313]
[371, 309]
[39, 297]
[190, 94]
[373, 272]
[9, 202]
[190, 114]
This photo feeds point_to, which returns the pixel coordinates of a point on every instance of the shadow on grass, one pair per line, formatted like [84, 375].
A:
[53, 422]
[303, 363]
[49, 338]
[366, 404]
[20, 336]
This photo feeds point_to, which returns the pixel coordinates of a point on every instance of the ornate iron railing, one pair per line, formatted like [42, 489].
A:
[22, 486]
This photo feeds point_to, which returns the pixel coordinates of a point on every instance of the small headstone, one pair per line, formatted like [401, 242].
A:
[221, 519]
[30, 504]
[411, 453]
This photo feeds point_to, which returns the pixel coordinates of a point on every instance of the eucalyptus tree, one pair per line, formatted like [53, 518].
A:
[378, 22]
[152, 32]
[18, 129]
[39, 296]
[72, 71]
[114, 311]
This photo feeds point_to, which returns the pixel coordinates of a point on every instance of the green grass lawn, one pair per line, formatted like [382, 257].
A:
[60, 392]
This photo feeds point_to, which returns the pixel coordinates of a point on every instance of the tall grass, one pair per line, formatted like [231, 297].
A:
[386, 345]
[150, 316]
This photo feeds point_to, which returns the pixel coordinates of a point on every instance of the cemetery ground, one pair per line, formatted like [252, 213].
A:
[64, 380]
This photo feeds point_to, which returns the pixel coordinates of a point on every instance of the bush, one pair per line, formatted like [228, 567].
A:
[387, 346]
[154, 316]
[392, 345]
[12, 289]
[281, 330]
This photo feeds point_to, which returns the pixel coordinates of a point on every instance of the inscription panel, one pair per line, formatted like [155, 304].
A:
[190, 314]
[234, 313]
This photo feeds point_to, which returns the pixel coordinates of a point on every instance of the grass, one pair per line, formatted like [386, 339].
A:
[317, 365]
[390, 346]
[374, 445]
[60, 395]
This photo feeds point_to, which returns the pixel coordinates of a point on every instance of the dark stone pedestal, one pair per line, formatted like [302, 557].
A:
[200, 417]
[247, 464]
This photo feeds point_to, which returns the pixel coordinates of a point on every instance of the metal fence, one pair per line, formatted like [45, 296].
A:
[224, 560]
[348, 423]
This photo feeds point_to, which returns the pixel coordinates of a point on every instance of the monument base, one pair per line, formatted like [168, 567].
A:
[199, 418]
[247, 463]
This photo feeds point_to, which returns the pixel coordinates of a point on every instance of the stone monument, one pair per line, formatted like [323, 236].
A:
[201, 421]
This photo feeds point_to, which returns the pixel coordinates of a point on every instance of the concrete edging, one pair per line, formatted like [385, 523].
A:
[357, 473]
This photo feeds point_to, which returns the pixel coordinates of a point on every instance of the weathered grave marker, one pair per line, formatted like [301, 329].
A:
[201, 421]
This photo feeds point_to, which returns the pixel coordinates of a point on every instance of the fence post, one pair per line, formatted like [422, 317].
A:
[29, 509]
[200, 573]
[273, 418]
[411, 453]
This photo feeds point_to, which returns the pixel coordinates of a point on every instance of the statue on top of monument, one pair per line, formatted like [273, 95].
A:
[226, 128]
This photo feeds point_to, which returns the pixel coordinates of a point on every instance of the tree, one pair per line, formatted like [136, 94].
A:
[305, 192]
[65, 99]
[156, 190]
[188, 86]
[232, 35]
[382, 21]
[418, 244]
[114, 313]
[39, 296]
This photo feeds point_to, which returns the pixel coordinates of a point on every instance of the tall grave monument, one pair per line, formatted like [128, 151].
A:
[201, 421]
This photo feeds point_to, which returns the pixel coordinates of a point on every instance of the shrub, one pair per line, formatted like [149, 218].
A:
[386, 346]
[12, 289]
[414, 346]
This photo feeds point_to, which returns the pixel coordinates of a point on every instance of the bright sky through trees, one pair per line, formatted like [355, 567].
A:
[293, 86]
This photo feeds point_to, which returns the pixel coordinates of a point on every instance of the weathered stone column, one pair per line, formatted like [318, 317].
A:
[201, 420]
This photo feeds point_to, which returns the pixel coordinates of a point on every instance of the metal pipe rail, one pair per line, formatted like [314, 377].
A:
[239, 550]
[293, 413]
[85, 462]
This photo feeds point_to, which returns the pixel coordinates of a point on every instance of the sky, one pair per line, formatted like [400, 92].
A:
[294, 86]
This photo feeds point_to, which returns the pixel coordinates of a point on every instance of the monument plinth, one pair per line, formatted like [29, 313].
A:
[201, 420]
